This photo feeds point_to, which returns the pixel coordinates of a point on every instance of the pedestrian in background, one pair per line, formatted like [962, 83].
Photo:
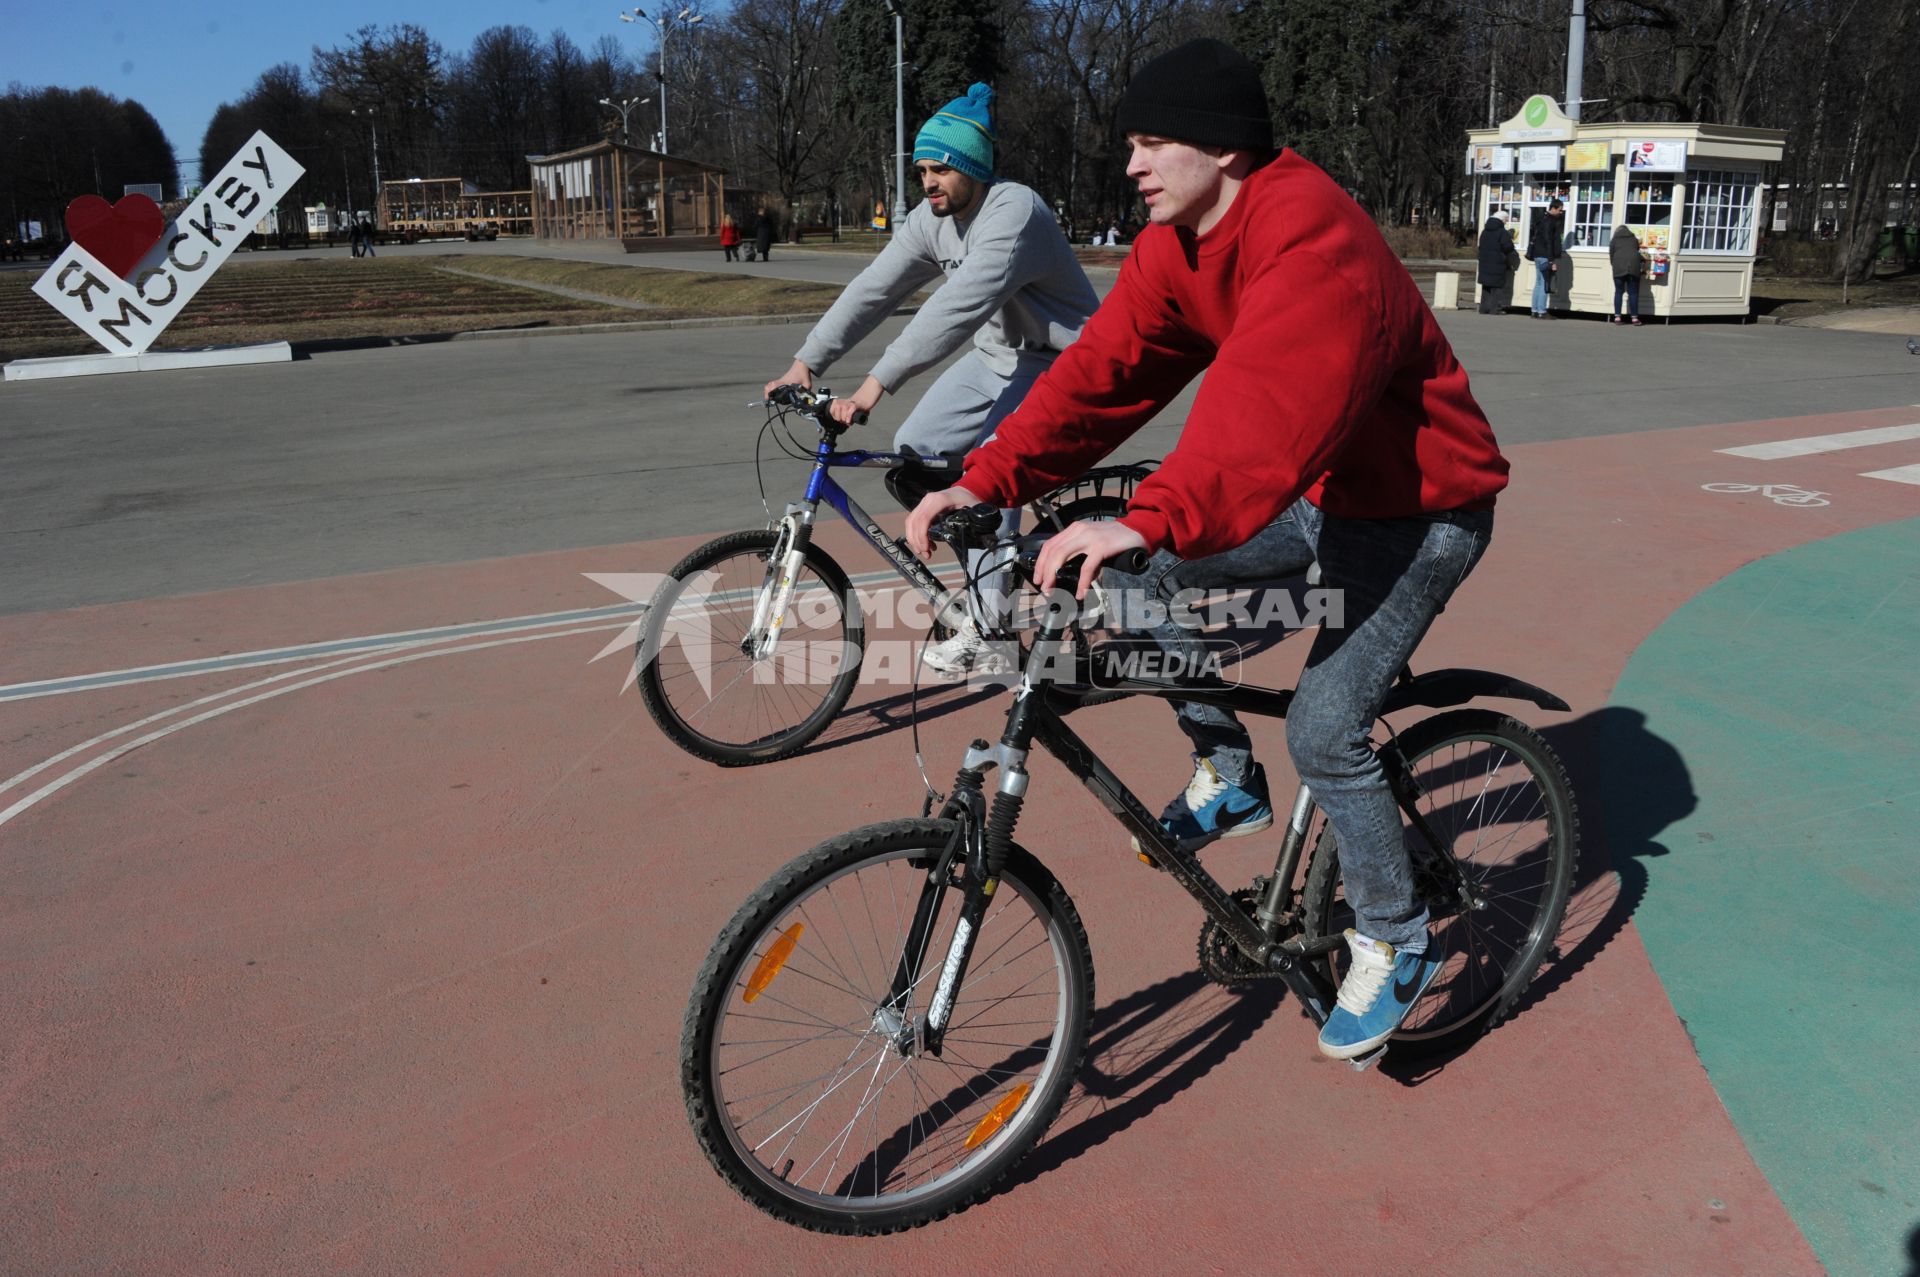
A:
[1545, 246]
[763, 235]
[1624, 250]
[729, 238]
[1498, 260]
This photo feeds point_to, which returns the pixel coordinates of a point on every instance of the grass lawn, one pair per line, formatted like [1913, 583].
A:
[1796, 297]
[676, 292]
[314, 299]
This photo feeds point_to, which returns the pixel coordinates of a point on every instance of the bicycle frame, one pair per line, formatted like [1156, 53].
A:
[796, 533]
[1037, 716]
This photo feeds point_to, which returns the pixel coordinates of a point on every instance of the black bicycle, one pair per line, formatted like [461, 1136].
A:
[754, 641]
[894, 1019]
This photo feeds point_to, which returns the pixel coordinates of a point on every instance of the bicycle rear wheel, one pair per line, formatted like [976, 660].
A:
[1499, 803]
[823, 1110]
[714, 697]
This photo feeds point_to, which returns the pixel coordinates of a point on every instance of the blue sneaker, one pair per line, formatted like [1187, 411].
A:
[1214, 807]
[1381, 987]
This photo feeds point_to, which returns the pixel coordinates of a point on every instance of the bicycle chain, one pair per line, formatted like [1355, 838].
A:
[1220, 958]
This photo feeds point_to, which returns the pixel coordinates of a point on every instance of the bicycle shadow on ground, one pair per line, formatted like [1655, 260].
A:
[1144, 1050]
[1629, 785]
[872, 719]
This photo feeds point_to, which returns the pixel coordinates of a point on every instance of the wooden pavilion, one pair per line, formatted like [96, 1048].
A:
[609, 190]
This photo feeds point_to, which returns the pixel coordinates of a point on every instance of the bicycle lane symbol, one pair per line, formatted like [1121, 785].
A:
[1786, 494]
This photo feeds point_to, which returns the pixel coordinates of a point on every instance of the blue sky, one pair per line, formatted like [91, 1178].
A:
[182, 63]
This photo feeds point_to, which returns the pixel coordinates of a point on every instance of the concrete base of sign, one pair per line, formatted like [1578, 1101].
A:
[271, 352]
[1446, 290]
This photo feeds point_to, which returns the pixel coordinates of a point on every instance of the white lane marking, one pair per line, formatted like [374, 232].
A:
[1899, 474]
[1812, 444]
[361, 645]
[55, 786]
[135, 726]
[52, 787]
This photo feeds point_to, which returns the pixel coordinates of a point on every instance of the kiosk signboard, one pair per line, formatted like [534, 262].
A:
[1657, 157]
[1492, 159]
[1589, 157]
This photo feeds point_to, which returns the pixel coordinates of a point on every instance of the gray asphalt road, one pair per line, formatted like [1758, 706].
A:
[118, 488]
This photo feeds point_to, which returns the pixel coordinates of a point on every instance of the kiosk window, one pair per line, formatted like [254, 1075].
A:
[1650, 211]
[1592, 222]
[1719, 215]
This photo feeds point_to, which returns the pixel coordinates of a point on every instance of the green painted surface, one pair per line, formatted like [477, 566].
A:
[1778, 845]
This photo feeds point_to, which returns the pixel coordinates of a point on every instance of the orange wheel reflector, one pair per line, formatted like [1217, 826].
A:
[998, 1117]
[776, 957]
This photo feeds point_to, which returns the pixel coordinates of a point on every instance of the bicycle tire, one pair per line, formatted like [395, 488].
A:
[1464, 1001]
[843, 980]
[778, 720]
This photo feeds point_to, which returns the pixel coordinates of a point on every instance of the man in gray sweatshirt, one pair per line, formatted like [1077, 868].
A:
[1012, 284]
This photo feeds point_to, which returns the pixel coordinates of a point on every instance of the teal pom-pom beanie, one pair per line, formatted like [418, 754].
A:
[960, 135]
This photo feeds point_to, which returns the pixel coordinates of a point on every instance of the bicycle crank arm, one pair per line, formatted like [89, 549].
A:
[1315, 994]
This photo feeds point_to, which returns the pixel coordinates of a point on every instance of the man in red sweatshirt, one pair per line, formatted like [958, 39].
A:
[1334, 425]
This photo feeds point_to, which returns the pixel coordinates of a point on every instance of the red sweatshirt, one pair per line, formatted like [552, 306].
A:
[1326, 375]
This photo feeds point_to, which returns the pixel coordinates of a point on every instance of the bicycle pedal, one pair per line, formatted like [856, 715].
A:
[1361, 1063]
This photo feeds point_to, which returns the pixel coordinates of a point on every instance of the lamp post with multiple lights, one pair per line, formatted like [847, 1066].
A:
[662, 23]
[623, 106]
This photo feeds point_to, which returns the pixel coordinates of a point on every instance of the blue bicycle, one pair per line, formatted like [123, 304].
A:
[755, 641]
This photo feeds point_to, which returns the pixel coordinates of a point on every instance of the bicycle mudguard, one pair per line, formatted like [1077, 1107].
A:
[1439, 689]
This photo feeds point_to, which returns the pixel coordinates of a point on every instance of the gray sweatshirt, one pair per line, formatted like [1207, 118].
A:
[1013, 284]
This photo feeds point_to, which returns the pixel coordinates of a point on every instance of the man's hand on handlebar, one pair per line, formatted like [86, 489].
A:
[1099, 541]
[799, 375]
[853, 409]
[931, 507]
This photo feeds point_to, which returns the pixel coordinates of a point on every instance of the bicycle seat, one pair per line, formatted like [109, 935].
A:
[918, 475]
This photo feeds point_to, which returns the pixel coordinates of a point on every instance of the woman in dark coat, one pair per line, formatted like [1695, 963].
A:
[1624, 250]
[1498, 260]
[763, 235]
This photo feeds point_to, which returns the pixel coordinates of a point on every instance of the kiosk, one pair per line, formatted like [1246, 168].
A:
[1689, 192]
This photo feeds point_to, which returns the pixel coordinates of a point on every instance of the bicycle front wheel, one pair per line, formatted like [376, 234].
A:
[714, 688]
[817, 1100]
[1499, 804]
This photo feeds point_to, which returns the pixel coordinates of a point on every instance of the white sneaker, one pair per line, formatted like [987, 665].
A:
[966, 651]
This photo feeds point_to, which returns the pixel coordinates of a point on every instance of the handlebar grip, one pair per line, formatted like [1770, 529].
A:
[1133, 562]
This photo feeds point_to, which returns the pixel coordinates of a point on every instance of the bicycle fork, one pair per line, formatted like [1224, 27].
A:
[783, 569]
[978, 851]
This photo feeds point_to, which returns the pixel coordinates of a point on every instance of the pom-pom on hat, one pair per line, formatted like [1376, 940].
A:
[960, 135]
[1203, 92]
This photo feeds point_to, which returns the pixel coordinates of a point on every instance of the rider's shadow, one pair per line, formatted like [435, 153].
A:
[1144, 1050]
[1630, 785]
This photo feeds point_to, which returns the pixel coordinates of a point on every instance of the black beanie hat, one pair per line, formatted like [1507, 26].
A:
[1203, 92]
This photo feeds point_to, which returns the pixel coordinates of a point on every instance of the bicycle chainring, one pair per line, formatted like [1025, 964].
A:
[1220, 958]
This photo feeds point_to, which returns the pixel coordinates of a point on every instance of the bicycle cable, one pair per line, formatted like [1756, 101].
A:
[989, 565]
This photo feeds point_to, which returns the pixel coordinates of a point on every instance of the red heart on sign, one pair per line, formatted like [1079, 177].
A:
[118, 235]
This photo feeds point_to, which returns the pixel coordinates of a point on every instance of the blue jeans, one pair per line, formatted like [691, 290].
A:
[1542, 280]
[1627, 287]
[1395, 576]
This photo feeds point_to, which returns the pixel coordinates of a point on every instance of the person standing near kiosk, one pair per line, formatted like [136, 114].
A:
[1545, 245]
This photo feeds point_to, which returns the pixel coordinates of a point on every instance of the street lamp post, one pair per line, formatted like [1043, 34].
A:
[623, 106]
[373, 124]
[661, 25]
[898, 10]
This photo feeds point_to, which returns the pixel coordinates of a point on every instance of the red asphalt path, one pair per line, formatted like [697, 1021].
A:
[385, 973]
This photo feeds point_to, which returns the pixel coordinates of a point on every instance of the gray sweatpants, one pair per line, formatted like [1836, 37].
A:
[960, 411]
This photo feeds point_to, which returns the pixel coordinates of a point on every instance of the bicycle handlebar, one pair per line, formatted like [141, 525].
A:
[813, 403]
[977, 527]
